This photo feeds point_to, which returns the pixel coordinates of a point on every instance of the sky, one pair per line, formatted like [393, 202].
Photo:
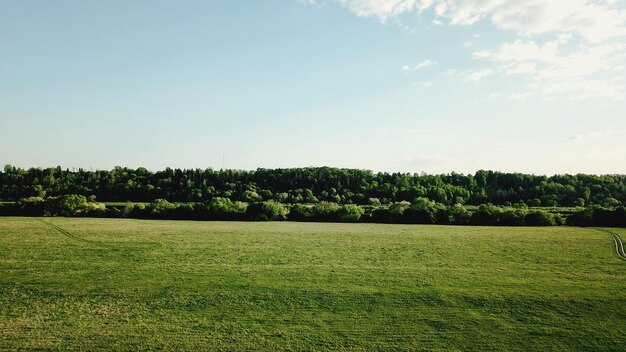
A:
[429, 86]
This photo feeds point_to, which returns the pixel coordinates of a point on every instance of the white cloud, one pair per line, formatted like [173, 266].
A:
[584, 45]
[481, 54]
[519, 96]
[595, 134]
[405, 131]
[595, 21]
[427, 161]
[422, 64]
[521, 51]
[582, 72]
[385, 9]
[583, 89]
[476, 75]
[522, 68]
[441, 8]
[592, 20]
[317, 3]
[422, 84]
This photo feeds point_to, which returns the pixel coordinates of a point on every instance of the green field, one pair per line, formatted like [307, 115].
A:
[98, 284]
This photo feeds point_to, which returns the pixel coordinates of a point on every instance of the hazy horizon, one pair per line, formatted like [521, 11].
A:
[386, 85]
[91, 169]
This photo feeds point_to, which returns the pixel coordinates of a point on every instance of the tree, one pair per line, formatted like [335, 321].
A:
[220, 208]
[326, 211]
[32, 206]
[539, 218]
[486, 214]
[373, 201]
[67, 205]
[459, 215]
[350, 213]
[301, 212]
[161, 208]
[422, 211]
[266, 211]
[308, 185]
[396, 211]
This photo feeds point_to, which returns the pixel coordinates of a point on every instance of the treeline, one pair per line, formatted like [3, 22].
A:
[315, 185]
[421, 211]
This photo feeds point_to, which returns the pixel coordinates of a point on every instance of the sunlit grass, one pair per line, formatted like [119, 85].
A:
[130, 284]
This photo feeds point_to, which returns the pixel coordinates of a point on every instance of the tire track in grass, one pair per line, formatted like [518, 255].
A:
[133, 245]
[619, 245]
[69, 234]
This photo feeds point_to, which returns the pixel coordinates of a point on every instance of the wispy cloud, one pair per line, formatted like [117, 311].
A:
[427, 161]
[408, 131]
[566, 47]
[596, 21]
[317, 3]
[555, 70]
[422, 64]
[385, 9]
[476, 76]
[422, 84]
[595, 134]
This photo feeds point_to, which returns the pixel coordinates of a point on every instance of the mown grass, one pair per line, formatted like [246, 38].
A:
[114, 284]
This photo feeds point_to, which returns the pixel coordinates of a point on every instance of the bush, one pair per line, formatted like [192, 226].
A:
[539, 218]
[609, 218]
[373, 201]
[301, 212]
[31, 206]
[115, 213]
[266, 211]
[220, 208]
[419, 215]
[325, 211]
[486, 215]
[185, 211]
[381, 215]
[136, 210]
[512, 217]
[161, 209]
[9, 209]
[396, 212]
[581, 218]
[442, 216]
[350, 213]
[67, 205]
[459, 214]
[95, 209]
[425, 211]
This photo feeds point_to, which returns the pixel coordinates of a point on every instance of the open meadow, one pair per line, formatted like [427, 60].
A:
[118, 284]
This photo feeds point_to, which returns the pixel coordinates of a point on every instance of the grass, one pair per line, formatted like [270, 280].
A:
[116, 284]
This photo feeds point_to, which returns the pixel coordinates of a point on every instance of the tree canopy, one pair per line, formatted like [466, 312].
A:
[313, 185]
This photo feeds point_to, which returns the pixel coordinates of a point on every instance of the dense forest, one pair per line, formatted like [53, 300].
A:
[312, 185]
[317, 194]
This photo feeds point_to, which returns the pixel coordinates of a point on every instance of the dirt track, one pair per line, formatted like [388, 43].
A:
[619, 245]
[69, 234]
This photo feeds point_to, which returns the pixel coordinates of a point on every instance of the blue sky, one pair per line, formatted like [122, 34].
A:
[394, 85]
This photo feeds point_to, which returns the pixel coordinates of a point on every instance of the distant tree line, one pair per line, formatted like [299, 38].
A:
[315, 185]
[421, 211]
